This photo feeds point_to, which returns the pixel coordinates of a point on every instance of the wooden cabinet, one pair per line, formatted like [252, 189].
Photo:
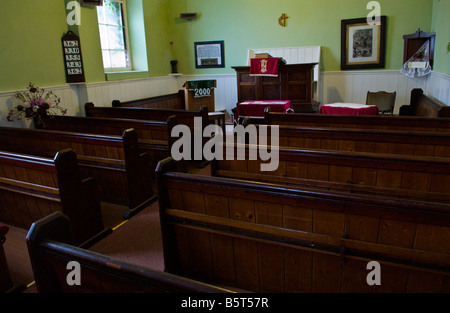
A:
[294, 82]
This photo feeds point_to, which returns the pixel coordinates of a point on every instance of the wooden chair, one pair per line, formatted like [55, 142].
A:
[385, 101]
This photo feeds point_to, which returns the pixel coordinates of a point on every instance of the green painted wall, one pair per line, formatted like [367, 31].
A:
[30, 43]
[30, 32]
[251, 24]
[441, 25]
[157, 35]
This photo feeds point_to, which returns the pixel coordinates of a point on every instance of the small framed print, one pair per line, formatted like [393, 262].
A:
[209, 54]
[363, 44]
[91, 2]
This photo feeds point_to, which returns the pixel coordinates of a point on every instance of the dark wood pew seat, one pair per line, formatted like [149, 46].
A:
[116, 162]
[32, 187]
[265, 237]
[422, 105]
[51, 249]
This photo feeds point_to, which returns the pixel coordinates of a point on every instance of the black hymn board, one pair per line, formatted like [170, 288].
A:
[73, 62]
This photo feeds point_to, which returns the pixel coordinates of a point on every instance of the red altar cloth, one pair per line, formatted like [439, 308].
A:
[349, 109]
[256, 108]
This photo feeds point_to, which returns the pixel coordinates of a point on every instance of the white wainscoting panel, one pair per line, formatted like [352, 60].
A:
[343, 86]
[352, 86]
[67, 93]
[295, 55]
[102, 94]
[439, 87]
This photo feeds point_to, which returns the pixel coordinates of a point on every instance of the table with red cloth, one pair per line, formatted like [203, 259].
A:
[349, 109]
[255, 108]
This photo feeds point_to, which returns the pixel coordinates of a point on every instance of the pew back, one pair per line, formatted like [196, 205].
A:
[185, 117]
[6, 282]
[173, 101]
[401, 123]
[361, 140]
[50, 250]
[422, 105]
[269, 238]
[32, 187]
[150, 130]
[421, 178]
[114, 161]
[152, 136]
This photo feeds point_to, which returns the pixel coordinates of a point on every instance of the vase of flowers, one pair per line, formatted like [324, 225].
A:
[35, 103]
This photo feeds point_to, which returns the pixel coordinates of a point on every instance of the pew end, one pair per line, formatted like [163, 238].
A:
[50, 249]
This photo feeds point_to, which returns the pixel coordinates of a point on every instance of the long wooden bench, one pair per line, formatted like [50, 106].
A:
[422, 105]
[400, 176]
[153, 137]
[51, 249]
[269, 238]
[359, 140]
[185, 117]
[116, 162]
[401, 123]
[32, 187]
[174, 101]
[6, 283]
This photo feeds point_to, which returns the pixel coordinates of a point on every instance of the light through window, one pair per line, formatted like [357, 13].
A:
[113, 35]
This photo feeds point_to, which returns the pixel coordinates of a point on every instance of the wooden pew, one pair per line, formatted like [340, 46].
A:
[51, 249]
[185, 117]
[116, 162]
[422, 105]
[32, 187]
[395, 176]
[153, 137]
[269, 238]
[6, 282]
[173, 101]
[362, 140]
[401, 123]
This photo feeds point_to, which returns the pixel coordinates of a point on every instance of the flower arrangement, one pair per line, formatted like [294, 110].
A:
[35, 103]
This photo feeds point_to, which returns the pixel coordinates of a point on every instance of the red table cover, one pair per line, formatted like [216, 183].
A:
[256, 108]
[349, 109]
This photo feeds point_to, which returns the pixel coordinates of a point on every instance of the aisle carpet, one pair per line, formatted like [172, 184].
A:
[137, 241]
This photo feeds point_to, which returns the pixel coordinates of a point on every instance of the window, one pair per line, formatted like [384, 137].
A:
[114, 35]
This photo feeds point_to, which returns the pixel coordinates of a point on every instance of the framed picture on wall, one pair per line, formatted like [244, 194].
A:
[91, 2]
[362, 44]
[209, 54]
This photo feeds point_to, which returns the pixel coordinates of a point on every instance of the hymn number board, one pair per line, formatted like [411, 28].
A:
[73, 62]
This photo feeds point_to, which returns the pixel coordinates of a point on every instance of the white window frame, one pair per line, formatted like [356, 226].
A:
[126, 34]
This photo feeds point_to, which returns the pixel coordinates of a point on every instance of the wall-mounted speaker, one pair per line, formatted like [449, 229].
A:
[188, 16]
